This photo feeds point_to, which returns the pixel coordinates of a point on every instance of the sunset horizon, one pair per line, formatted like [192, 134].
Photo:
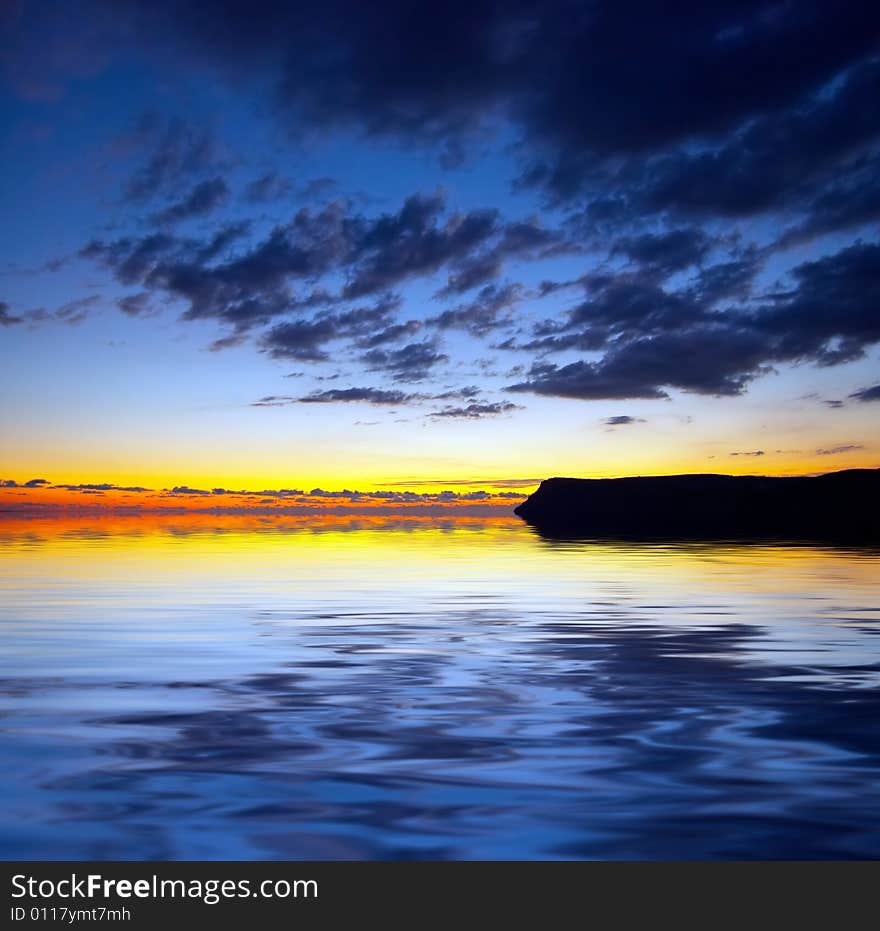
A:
[435, 432]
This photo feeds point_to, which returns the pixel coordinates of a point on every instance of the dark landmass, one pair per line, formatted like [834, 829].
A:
[840, 506]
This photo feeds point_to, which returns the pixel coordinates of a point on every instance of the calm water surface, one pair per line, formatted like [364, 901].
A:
[420, 690]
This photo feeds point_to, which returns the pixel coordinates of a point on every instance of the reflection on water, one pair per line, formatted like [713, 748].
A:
[409, 690]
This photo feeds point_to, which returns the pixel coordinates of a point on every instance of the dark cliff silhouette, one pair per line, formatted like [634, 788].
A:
[840, 506]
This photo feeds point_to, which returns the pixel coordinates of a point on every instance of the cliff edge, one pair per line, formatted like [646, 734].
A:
[841, 506]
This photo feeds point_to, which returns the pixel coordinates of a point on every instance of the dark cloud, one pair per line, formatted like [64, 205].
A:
[300, 339]
[255, 286]
[467, 392]
[580, 80]
[274, 400]
[415, 241]
[7, 318]
[654, 339]
[36, 483]
[365, 395]
[655, 129]
[491, 483]
[413, 362]
[750, 452]
[663, 254]
[103, 486]
[268, 188]
[477, 411]
[306, 339]
[621, 420]
[840, 450]
[135, 305]
[391, 334]
[377, 396]
[482, 315]
[867, 394]
[178, 151]
[202, 199]
[525, 239]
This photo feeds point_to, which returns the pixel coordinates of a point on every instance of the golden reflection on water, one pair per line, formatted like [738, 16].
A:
[360, 686]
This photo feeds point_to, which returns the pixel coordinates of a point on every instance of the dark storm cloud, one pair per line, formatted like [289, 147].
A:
[726, 108]
[604, 78]
[476, 411]
[867, 394]
[200, 200]
[777, 161]
[731, 108]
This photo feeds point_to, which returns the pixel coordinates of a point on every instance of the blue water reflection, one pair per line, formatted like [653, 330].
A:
[434, 693]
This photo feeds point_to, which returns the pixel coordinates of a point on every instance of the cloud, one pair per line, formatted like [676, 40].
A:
[178, 151]
[839, 450]
[483, 314]
[300, 339]
[580, 83]
[476, 411]
[415, 241]
[654, 339]
[200, 200]
[751, 452]
[413, 362]
[867, 394]
[491, 483]
[7, 318]
[268, 188]
[663, 254]
[103, 486]
[621, 420]
[363, 395]
[35, 483]
[256, 285]
[135, 305]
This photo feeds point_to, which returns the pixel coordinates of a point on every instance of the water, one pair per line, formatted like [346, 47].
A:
[227, 688]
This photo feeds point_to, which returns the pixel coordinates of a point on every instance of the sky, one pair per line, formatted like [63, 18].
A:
[314, 247]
